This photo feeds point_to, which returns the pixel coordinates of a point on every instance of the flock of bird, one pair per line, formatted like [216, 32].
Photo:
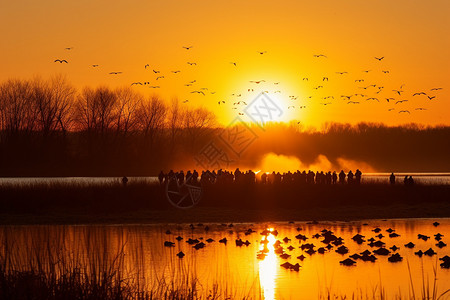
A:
[370, 93]
[327, 240]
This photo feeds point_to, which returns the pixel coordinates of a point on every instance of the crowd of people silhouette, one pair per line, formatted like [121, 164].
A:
[238, 176]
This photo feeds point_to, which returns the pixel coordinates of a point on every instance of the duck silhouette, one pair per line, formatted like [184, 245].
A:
[347, 262]
[395, 258]
[180, 254]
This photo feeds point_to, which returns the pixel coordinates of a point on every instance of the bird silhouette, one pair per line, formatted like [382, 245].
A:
[262, 52]
[431, 97]
[379, 58]
[388, 99]
[68, 48]
[291, 106]
[352, 102]
[398, 92]
[185, 101]
[61, 61]
[199, 92]
[326, 103]
[94, 66]
[159, 77]
[233, 63]
[175, 72]
[390, 109]
[115, 73]
[401, 101]
[136, 83]
[368, 99]
[325, 78]
[155, 71]
[418, 94]
[404, 111]
[341, 73]
[257, 82]
[154, 86]
[302, 106]
[436, 89]
[147, 65]
[420, 108]
[385, 71]
[192, 63]
[319, 55]
[305, 78]
[187, 48]
[359, 80]
[241, 114]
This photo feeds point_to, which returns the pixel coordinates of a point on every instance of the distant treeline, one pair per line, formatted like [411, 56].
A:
[48, 128]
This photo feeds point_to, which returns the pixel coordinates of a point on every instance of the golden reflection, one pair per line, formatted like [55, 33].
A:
[268, 266]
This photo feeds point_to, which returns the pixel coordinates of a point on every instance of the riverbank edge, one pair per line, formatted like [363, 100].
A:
[227, 215]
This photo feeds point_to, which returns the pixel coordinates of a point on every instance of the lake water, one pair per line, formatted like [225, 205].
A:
[419, 178]
[236, 270]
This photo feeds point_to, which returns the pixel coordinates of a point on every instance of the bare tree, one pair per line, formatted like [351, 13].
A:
[126, 107]
[196, 123]
[151, 116]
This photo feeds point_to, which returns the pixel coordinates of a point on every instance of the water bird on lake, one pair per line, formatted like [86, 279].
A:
[394, 248]
[423, 237]
[180, 254]
[223, 241]
[210, 240]
[410, 245]
[395, 258]
[441, 244]
[342, 250]
[393, 235]
[446, 262]
[430, 252]
[419, 253]
[347, 262]
[198, 246]
[381, 251]
[169, 244]
[438, 236]
[178, 238]
[376, 230]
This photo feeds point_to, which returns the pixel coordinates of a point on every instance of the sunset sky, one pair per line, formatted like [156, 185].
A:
[123, 36]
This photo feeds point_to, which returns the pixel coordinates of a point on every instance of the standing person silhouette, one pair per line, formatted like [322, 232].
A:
[350, 177]
[392, 178]
[124, 181]
[342, 177]
[358, 175]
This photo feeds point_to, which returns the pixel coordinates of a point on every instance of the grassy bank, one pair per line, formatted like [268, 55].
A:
[147, 203]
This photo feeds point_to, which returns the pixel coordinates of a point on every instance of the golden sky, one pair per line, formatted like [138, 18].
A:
[413, 36]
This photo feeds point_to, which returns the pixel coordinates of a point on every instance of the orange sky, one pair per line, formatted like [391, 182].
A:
[413, 36]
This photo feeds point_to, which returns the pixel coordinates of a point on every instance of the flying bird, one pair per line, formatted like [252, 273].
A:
[401, 101]
[61, 61]
[192, 63]
[398, 92]
[68, 48]
[147, 65]
[420, 108]
[418, 94]
[352, 102]
[159, 77]
[198, 92]
[155, 71]
[140, 83]
[359, 80]
[305, 78]
[379, 58]
[390, 109]
[431, 97]
[185, 101]
[115, 73]
[319, 55]
[388, 99]
[154, 86]
[326, 103]
[233, 63]
[368, 99]
[94, 66]
[436, 89]
[341, 73]
[291, 106]
[187, 48]
[258, 82]
[325, 78]
[385, 71]
[404, 111]
[262, 52]
[366, 71]
[241, 114]
[175, 72]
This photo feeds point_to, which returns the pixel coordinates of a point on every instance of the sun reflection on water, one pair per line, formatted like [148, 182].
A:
[268, 267]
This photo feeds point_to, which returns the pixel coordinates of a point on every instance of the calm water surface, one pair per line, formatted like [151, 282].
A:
[237, 270]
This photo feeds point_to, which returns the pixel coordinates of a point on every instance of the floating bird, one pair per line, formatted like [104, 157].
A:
[61, 61]
[379, 58]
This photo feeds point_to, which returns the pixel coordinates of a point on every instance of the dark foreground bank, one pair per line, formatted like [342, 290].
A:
[146, 203]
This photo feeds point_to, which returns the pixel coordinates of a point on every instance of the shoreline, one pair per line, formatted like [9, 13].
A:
[227, 215]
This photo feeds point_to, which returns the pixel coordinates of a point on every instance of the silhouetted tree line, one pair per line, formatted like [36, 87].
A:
[48, 128]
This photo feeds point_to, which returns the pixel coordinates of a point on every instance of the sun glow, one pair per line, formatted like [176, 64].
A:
[268, 267]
